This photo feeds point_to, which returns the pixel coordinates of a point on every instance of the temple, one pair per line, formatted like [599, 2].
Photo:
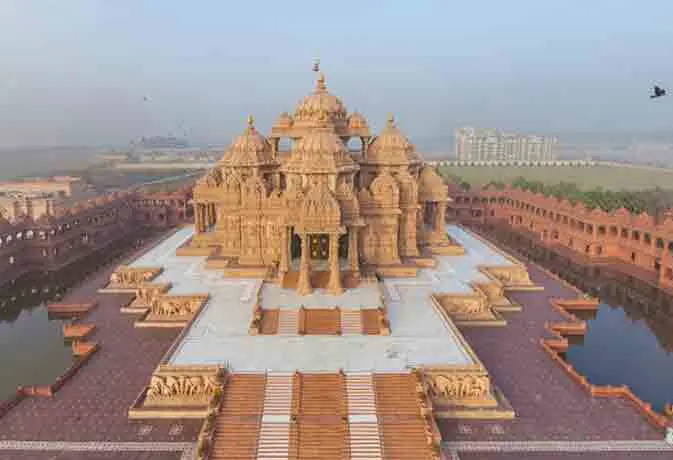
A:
[319, 207]
[319, 295]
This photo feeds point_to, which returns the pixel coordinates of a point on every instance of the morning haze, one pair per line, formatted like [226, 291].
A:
[77, 72]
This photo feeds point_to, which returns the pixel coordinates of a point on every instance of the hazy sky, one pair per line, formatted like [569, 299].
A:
[76, 71]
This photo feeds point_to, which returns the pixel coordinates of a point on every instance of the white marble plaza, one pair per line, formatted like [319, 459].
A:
[419, 335]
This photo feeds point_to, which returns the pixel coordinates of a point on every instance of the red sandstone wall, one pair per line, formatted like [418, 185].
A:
[597, 235]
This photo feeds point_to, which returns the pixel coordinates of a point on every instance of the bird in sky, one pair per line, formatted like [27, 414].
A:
[658, 92]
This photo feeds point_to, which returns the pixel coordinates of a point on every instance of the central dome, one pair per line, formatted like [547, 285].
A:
[320, 101]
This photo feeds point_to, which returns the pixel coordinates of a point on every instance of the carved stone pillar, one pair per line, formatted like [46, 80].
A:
[437, 217]
[334, 283]
[284, 265]
[213, 215]
[441, 211]
[304, 281]
[353, 261]
[197, 218]
[206, 220]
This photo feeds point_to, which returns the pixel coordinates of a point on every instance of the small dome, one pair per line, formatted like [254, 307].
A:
[356, 121]
[284, 121]
[391, 146]
[431, 187]
[321, 150]
[249, 149]
[311, 107]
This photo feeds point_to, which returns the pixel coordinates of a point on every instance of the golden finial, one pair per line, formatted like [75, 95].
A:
[251, 122]
[391, 120]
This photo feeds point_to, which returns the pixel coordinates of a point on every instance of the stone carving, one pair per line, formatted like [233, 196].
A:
[131, 278]
[509, 276]
[181, 389]
[458, 387]
[176, 306]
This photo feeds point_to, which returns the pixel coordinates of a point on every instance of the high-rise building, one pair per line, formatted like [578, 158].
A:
[473, 144]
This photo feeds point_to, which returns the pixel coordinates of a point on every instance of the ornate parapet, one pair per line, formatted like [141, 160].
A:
[145, 294]
[172, 310]
[189, 386]
[458, 387]
[467, 309]
[126, 278]
[512, 277]
[179, 392]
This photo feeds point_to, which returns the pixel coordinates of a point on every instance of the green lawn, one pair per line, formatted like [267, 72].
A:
[608, 177]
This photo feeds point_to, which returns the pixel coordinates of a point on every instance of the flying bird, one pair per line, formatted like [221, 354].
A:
[658, 92]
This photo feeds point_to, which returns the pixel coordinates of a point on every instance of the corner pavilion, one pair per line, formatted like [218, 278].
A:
[321, 291]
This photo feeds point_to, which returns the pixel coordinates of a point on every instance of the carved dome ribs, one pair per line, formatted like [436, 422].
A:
[320, 151]
[250, 149]
[391, 147]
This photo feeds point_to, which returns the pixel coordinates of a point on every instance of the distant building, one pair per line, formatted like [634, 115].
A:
[36, 197]
[474, 144]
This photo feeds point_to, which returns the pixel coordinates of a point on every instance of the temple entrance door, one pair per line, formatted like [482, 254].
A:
[319, 246]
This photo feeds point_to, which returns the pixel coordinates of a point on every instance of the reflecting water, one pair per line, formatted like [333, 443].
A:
[32, 348]
[622, 350]
[629, 340]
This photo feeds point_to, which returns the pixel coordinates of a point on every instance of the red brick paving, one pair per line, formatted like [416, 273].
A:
[548, 404]
[93, 405]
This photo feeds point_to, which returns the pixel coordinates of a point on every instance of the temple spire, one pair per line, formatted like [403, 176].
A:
[251, 123]
[391, 121]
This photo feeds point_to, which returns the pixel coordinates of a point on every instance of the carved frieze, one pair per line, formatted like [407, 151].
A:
[181, 388]
[511, 276]
[458, 387]
[125, 277]
[176, 306]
